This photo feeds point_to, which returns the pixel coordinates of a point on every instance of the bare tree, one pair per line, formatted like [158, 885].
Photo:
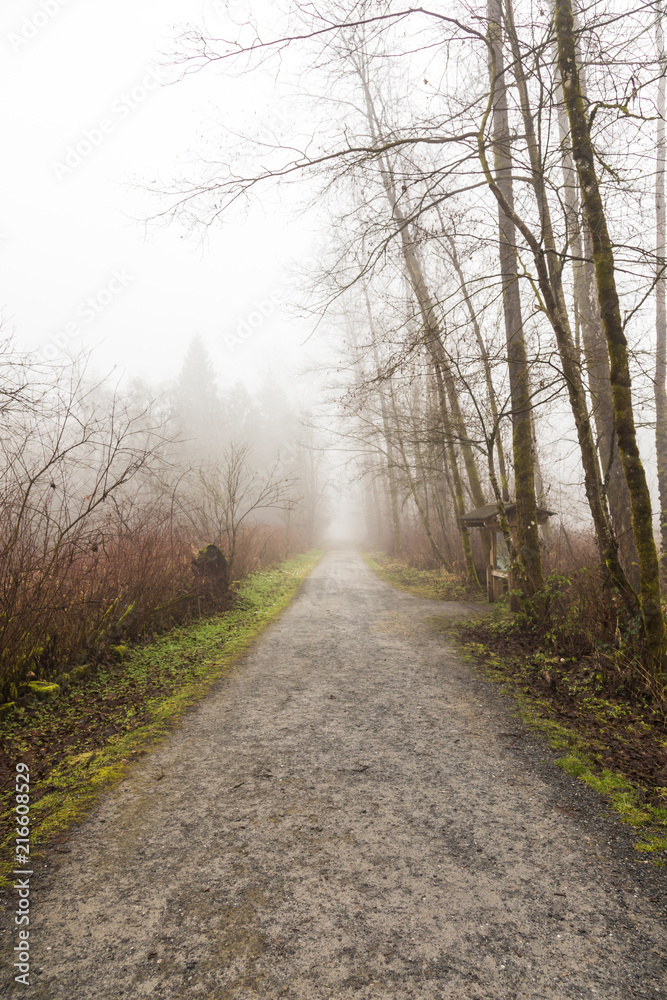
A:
[660, 288]
[603, 256]
[230, 493]
[524, 469]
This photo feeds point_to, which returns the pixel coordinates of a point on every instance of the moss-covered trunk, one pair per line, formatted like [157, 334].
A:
[591, 336]
[549, 273]
[660, 304]
[603, 257]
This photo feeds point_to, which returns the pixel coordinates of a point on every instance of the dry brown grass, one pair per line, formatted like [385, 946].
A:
[77, 604]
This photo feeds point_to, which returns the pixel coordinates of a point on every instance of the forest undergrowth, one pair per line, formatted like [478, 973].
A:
[85, 609]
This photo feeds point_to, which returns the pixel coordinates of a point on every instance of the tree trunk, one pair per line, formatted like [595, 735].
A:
[424, 301]
[471, 573]
[660, 305]
[590, 332]
[394, 507]
[417, 435]
[522, 443]
[549, 271]
[434, 344]
[444, 486]
[490, 388]
[435, 347]
[414, 491]
[373, 506]
[603, 258]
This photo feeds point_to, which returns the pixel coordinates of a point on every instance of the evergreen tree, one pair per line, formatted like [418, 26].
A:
[198, 410]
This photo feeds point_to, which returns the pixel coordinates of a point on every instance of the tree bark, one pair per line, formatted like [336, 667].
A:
[603, 258]
[549, 272]
[522, 442]
[435, 347]
[590, 332]
[443, 486]
[412, 486]
[464, 534]
[660, 304]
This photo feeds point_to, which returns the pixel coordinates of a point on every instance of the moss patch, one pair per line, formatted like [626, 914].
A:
[44, 690]
[83, 740]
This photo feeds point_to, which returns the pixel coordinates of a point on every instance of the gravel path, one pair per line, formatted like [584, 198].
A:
[350, 813]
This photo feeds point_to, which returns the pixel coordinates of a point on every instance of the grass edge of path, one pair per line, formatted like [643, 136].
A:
[78, 784]
[436, 585]
[649, 821]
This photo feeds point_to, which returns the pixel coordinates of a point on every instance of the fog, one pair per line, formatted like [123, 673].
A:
[94, 120]
[208, 216]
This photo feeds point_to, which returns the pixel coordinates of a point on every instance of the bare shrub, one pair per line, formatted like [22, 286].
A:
[98, 528]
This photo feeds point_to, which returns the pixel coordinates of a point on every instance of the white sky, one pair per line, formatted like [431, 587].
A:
[64, 237]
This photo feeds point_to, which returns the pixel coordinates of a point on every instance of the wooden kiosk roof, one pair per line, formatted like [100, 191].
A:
[488, 517]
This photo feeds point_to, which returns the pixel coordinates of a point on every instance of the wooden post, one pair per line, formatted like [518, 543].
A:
[515, 603]
[490, 578]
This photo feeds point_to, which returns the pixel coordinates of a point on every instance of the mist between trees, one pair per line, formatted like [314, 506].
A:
[108, 494]
[493, 178]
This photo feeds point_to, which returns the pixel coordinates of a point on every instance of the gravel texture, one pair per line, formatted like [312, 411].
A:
[352, 812]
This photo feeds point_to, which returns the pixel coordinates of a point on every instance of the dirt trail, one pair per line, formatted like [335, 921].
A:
[351, 813]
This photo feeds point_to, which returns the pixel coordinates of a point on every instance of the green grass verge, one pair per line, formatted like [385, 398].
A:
[438, 585]
[193, 658]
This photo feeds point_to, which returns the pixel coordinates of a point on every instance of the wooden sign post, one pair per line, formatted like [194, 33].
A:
[498, 574]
